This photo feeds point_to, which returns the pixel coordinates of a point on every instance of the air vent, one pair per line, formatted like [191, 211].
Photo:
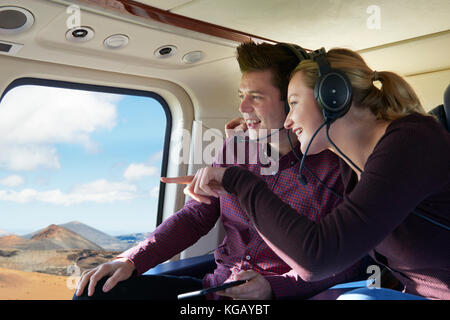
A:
[9, 47]
[80, 34]
[4, 47]
[165, 51]
[15, 20]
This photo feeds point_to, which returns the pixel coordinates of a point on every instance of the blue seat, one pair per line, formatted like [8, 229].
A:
[195, 267]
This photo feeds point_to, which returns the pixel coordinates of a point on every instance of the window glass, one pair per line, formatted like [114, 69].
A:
[79, 182]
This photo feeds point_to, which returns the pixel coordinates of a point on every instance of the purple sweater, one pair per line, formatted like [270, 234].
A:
[243, 248]
[408, 170]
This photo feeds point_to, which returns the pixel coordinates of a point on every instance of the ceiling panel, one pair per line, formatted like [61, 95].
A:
[329, 23]
[164, 4]
[47, 41]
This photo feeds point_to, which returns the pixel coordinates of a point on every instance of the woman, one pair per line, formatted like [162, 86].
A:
[405, 160]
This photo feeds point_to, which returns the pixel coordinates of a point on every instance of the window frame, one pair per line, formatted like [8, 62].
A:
[115, 90]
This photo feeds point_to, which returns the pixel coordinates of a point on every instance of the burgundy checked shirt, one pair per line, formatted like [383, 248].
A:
[242, 247]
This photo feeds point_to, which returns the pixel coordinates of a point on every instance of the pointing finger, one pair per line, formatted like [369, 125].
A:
[178, 180]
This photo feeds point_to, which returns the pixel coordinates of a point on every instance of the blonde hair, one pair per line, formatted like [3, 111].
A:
[395, 99]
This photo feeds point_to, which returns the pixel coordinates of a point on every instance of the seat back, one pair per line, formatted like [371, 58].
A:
[442, 112]
[447, 106]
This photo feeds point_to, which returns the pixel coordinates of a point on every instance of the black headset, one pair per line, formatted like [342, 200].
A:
[300, 53]
[333, 90]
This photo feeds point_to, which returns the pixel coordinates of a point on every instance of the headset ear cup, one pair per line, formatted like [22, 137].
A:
[333, 92]
[317, 94]
[318, 99]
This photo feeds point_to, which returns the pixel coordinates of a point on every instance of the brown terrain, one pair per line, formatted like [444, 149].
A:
[47, 265]
[21, 285]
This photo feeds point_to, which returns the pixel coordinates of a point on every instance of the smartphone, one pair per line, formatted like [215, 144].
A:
[202, 292]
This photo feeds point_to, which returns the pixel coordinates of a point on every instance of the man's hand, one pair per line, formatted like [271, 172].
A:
[235, 126]
[207, 182]
[256, 288]
[118, 270]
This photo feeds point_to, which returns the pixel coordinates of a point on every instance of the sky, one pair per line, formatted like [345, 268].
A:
[70, 155]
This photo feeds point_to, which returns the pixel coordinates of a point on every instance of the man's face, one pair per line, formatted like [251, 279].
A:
[261, 105]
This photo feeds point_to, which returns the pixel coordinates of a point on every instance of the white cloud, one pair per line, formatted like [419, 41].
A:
[136, 171]
[156, 157]
[154, 193]
[103, 186]
[12, 181]
[28, 157]
[99, 191]
[33, 118]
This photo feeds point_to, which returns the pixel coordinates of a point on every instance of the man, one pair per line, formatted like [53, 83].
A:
[243, 254]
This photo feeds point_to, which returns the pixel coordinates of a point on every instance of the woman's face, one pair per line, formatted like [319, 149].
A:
[305, 116]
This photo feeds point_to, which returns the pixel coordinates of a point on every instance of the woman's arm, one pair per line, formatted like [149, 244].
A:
[405, 168]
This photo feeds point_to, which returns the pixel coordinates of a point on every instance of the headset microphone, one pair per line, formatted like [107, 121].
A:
[268, 136]
[302, 180]
[301, 177]
[242, 139]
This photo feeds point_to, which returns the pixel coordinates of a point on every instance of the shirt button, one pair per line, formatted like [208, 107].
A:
[292, 163]
[247, 258]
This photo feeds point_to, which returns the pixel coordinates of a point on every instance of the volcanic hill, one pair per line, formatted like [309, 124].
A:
[51, 238]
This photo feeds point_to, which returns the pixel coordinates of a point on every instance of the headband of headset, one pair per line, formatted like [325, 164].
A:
[300, 53]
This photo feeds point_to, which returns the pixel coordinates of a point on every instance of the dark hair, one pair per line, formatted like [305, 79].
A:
[265, 56]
